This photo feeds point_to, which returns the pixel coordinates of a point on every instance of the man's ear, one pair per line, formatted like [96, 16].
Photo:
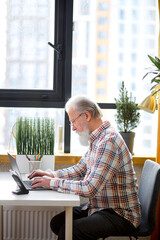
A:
[88, 116]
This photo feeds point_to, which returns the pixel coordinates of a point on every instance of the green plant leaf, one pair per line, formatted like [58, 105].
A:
[127, 116]
[155, 92]
[158, 60]
[155, 80]
[35, 136]
[155, 62]
[153, 87]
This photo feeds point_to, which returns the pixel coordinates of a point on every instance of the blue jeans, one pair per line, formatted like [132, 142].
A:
[101, 224]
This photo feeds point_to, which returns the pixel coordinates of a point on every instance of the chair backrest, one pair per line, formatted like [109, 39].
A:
[148, 193]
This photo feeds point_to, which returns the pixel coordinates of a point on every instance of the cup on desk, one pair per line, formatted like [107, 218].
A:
[34, 165]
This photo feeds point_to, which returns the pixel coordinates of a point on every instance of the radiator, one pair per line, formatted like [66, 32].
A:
[28, 223]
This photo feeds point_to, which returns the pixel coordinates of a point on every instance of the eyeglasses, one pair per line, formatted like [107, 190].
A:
[72, 123]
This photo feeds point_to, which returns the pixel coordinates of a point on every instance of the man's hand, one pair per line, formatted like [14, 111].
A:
[41, 182]
[39, 173]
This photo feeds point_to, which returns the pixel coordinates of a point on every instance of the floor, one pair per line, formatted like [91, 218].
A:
[127, 238]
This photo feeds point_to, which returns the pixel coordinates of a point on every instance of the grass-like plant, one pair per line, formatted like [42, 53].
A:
[127, 116]
[35, 135]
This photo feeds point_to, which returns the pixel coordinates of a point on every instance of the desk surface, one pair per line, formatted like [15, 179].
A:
[34, 198]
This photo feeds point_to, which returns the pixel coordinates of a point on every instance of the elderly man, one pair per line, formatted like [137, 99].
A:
[104, 174]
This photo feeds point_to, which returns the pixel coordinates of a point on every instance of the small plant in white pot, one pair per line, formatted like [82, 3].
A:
[127, 116]
[35, 142]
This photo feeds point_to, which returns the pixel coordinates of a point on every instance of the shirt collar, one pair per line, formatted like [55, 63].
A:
[98, 131]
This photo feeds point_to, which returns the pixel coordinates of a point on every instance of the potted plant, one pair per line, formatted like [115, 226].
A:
[154, 72]
[127, 116]
[149, 104]
[35, 142]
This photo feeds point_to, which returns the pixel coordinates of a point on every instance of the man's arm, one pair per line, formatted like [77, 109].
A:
[74, 172]
[105, 165]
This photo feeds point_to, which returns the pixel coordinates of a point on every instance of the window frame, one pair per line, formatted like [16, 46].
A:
[62, 77]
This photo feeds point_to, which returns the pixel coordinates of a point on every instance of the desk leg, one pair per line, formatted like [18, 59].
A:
[1, 222]
[68, 223]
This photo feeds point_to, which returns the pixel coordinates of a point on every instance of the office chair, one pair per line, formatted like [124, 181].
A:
[148, 194]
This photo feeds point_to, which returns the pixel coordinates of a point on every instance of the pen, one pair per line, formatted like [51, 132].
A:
[40, 158]
[27, 158]
[29, 161]
[37, 157]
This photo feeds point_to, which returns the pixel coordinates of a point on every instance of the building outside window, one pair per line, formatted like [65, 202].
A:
[27, 56]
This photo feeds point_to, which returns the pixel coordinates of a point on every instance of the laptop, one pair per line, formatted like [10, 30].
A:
[27, 183]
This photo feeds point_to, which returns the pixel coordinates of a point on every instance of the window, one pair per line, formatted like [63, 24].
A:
[133, 57]
[151, 15]
[84, 7]
[9, 117]
[121, 42]
[134, 14]
[33, 72]
[102, 20]
[122, 14]
[121, 57]
[101, 63]
[102, 49]
[34, 75]
[120, 72]
[108, 44]
[101, 91]
[103, 6]
[134, 29]
[80, 79]
[121, 28]
[131, 27]
[134, 43]
[101, 77]
[150, 29]
[102, 35]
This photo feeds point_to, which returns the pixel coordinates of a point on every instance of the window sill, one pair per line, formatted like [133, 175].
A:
[68, 158]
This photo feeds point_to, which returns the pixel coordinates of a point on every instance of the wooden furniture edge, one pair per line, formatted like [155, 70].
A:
[66, 158]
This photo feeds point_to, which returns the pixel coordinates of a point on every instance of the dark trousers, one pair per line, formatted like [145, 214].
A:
[101, 224]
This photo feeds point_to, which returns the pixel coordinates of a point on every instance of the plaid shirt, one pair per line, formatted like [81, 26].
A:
[105, 175]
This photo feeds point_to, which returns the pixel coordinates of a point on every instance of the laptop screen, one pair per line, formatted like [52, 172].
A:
[14, 164]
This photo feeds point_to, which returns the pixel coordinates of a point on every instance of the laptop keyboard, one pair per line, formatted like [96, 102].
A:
[28, 183]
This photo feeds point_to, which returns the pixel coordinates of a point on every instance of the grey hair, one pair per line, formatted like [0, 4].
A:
[82, 104]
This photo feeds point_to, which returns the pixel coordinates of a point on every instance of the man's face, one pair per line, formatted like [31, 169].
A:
[76, 120]
[79, 125]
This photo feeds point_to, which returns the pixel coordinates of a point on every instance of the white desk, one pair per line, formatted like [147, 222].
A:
[35, 198]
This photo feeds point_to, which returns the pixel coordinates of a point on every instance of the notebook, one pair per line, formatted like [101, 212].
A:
[15, 168]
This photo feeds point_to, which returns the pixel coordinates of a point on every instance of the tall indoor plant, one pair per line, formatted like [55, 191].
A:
[35, 137]
[149, 104]
[154, 72]
[127, 116]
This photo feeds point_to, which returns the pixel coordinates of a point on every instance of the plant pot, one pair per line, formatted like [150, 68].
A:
[24, 165]
[129, 140]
